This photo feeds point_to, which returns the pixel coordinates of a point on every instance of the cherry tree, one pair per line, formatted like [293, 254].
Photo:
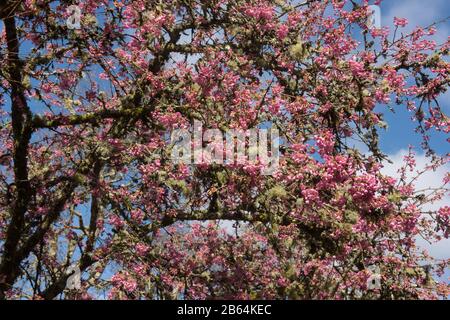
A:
[87, 179]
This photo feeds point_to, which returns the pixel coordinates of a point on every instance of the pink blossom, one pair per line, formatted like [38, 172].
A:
[401, 22]
[310, 195]
[142, 249]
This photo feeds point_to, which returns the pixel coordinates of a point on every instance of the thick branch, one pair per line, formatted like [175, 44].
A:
[21, 125]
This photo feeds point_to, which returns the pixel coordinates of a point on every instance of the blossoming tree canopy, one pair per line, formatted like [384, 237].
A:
[86, 177]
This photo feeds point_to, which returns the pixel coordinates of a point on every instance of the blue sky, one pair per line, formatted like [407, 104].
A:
[419, 13]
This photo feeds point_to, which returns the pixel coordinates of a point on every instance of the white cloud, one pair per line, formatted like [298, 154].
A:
[431, 179]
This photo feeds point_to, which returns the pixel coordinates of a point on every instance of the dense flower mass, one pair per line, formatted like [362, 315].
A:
[87, 178]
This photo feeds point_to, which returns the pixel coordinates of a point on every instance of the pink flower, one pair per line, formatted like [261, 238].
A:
[260, 12]
[116, 221]
[129, 285]
[325, 142]
[357, 67]
[283, 31]
[400, 22]
[142, 249]
[137, 215]
[124, 281]
[310, 195]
